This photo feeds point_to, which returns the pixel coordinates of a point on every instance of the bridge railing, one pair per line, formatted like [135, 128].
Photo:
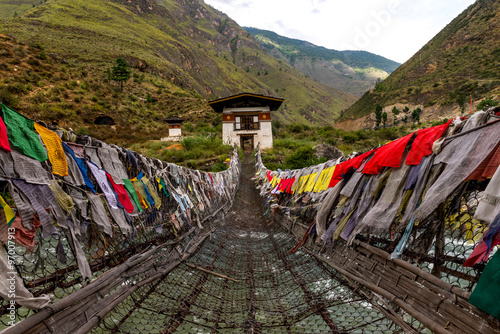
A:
[113, 219]
[411, 223]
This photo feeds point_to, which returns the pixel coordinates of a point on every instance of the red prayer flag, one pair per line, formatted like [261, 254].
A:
[389, 155]
[422, 145]
[4, 140]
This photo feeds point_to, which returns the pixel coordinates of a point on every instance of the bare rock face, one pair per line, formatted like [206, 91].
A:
[328, 151]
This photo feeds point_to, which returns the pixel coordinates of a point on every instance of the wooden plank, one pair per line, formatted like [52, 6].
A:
[426, 319]
[212, 272]
[417, 271]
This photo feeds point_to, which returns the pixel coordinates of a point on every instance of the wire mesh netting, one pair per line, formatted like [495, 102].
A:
[244, 280]
[49, 265]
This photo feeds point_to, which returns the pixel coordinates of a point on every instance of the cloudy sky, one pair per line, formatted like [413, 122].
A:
[395, 29]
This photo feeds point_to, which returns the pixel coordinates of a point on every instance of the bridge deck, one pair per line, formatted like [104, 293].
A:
[267, 289]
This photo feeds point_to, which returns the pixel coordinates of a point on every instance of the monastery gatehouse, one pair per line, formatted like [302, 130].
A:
[246, 119]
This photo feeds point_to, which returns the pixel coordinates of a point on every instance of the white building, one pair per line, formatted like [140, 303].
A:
[246, 119]
[174, 129]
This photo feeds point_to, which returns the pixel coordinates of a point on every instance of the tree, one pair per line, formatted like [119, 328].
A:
[384, 118]
[415, 114]
[396, 112]
[461, 102]
[378, 114]
[119, 73]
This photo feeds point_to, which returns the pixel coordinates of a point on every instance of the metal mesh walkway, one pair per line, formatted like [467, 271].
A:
[265, 289]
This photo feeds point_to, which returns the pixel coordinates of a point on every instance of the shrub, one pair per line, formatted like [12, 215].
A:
[33, 61]
[288, 143]
[39, 98]
[19, 52]
[5, 53]
[331, 141]
[8, 98]
[302, 157]
[486, 103]
[387, 133]
[17, 88]
[350, 137]
[82, 131]
[298, 128]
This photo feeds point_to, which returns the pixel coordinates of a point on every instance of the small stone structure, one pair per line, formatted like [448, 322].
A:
[246, 119]
[174, 129]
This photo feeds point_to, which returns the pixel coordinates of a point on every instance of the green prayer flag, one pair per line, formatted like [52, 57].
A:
[486, 294]
[164, 187]
[131, 190]
[22, 135]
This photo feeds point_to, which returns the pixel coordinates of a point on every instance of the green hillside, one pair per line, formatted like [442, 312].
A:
[350, 71]
[14, 8]
[460, 63]
[181, 53]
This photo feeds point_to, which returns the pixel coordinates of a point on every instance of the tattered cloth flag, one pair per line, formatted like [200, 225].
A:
[22, 135]
[9, 214]
[4, 140]
[487, 291]
[389, 155]
[133, 194]
[54, 150]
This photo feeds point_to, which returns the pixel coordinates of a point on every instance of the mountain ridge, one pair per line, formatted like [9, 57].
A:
[351, 71]
[182, 53]
[461, 63]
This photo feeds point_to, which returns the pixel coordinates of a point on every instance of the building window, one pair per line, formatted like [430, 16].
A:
[246, 122]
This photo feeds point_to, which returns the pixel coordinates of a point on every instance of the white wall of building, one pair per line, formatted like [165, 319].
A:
[263, 136]
[229, 136]
[174, 132]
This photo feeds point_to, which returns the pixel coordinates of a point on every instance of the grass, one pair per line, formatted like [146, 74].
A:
[205, 152]
[12, 8]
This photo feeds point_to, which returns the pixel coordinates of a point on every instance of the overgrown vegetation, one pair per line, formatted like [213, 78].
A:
[294, 145]
[205, 152]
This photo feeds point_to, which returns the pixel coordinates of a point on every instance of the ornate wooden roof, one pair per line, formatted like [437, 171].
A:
[243, 100]
[174, 120]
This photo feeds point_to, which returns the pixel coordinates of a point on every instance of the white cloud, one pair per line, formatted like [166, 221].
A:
[395, 29]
